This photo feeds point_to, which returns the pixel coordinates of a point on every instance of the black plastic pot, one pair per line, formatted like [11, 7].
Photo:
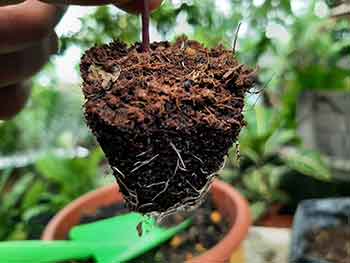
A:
[312, 215]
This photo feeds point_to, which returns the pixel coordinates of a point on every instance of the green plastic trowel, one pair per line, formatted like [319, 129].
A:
[112, 240]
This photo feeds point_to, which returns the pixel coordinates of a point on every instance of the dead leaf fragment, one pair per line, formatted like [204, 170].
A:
[97, 73]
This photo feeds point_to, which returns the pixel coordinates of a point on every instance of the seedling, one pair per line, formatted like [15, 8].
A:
[165, 114]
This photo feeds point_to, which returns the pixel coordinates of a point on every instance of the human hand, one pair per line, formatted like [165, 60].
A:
[27, 40]
[131, 6]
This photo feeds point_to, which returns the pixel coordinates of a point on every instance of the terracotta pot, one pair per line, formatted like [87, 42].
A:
[274, 218]
[229, 202]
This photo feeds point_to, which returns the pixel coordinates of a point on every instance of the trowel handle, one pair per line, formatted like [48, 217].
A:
[42, 251]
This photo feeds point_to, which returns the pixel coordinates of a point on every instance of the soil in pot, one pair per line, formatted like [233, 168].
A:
[208, 228]
[165, 118]
[331, 244]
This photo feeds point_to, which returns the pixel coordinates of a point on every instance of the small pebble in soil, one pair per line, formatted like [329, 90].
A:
[199, 248]
[176, 242]
[189, 256]
[215, 217]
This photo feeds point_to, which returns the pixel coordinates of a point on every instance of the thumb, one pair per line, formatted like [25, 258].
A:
[136, 6]
[131, 6]
[10, 2]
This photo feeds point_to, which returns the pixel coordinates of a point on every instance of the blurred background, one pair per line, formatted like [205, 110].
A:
[295, 145]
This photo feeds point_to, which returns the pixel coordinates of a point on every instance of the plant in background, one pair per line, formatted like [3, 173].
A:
[333, 3]
[52, 118]
[32, 195]
[102, 26]
[268, 153]
[316, 58]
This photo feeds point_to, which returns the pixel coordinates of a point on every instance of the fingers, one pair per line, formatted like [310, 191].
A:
[23, 24]
[136, 6]
[12, 99]
[21, 65]
[10, 2]
[79, 2]
[132, 6]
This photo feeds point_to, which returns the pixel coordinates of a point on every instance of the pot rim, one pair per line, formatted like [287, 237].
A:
[231, 241]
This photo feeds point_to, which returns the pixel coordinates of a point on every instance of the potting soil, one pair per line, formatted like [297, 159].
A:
[164, 118]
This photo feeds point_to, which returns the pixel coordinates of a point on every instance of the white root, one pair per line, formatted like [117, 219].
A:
[130, 192]
[199, 159]
[143, 153]
[161, 192]
[114, 168]
[190, 184]
[144, 163]
[176, 168]
[179, 156]
[145, 205]
[202, 170]
[154, 184]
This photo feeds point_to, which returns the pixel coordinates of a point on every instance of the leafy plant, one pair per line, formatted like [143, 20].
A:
[314, 59]
[102, 26]
[333, 3]
[28, 202]
[270, 152]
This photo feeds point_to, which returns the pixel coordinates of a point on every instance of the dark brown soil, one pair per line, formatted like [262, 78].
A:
[208, 228]
[332, 244]
[164, 118]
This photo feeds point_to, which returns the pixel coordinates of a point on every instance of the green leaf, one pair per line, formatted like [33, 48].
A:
[306, 162]
[15, 196]
[5, 176]
[34, 194]
[18, 232]
[250, 153]
[275, 174]
[279, 139]
[263, 120]
[258, 210]
[35, 211]
[254, 181]
[229, 175]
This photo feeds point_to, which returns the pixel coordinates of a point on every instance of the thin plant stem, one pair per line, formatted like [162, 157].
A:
[145, 26]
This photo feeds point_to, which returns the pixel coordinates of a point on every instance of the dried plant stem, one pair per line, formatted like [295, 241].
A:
[145, 26]
[236, 36]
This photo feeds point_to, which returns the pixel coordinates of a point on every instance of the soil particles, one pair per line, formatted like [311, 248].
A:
[331, 244]
[208, 228]
[165, 118]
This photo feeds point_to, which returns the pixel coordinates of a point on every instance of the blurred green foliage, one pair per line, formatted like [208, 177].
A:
[32, 195]
[52, 118]
[269, 152]
[102, 26]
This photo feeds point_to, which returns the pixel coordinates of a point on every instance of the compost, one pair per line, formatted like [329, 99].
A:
[165, 118]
